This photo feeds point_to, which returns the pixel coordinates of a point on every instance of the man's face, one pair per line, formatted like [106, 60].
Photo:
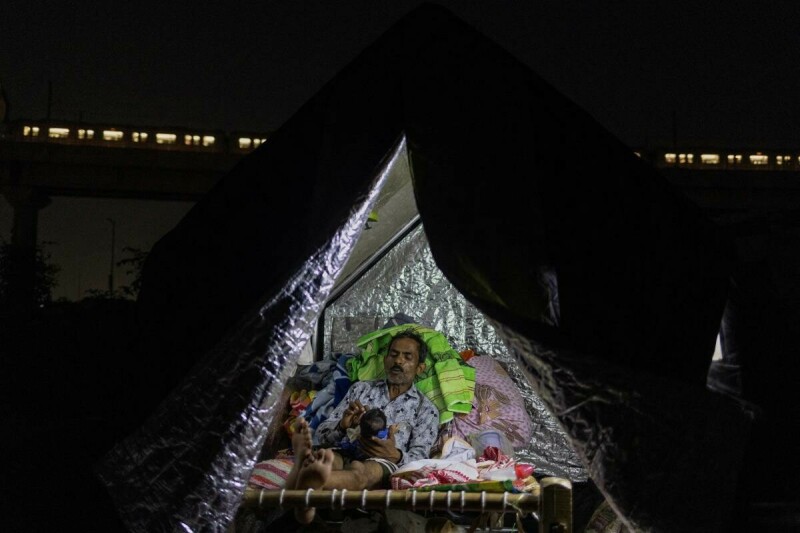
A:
[402, 362]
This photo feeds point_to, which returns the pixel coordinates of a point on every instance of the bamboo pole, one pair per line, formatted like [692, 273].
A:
[403, 499]
[551, 500]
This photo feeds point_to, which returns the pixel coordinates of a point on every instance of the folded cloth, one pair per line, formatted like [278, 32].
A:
[272, 473]
[492, 453]
[300, 400]
[457, 449]
[457, 382]
[327, 399]
[506, 485]
[493, 462]
[426, 472]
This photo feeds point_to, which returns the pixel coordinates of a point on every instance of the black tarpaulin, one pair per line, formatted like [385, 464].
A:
[516, 186]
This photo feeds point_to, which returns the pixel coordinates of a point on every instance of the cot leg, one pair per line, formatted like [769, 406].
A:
[555, 510]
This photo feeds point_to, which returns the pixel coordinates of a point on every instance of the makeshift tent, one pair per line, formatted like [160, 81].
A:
[599, 279]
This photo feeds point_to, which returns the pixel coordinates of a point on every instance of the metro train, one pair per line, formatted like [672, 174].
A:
[148, 137]
[199, 140]
[723, 159]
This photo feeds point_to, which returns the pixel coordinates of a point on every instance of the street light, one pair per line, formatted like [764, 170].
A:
[111, 268]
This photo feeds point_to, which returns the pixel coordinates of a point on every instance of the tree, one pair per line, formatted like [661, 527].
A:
[134, 264]
[12, 258]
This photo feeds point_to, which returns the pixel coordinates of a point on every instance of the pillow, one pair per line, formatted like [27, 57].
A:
[271, 474]
[497, 405]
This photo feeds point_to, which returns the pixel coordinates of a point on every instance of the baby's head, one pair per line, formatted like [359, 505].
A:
[372, 423]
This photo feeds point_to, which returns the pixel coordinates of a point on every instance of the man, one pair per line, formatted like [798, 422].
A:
[413, 425]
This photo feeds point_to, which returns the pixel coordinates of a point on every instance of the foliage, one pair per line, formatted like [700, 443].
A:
[12, 260]
[134, 263]
[102, 294]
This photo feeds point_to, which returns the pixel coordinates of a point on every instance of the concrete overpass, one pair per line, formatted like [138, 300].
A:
[728, 195]
[33, 170]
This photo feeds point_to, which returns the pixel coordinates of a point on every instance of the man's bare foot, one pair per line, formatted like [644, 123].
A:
[301, 446]
[313, 474]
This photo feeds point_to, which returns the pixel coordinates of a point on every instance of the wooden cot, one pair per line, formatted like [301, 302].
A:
[550, 501]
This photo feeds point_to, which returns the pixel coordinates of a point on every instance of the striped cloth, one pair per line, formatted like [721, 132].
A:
[271, 474]
[431, 474]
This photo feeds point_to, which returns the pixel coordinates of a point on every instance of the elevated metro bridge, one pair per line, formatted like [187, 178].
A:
[91, 171]
[39, 160]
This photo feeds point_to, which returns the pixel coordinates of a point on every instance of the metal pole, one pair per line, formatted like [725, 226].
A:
[111, 268]
[49, 98]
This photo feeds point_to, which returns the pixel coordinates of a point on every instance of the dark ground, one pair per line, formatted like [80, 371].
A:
[73, 389]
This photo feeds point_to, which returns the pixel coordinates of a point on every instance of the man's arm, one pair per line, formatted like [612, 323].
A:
[329, 433]
[383, 448]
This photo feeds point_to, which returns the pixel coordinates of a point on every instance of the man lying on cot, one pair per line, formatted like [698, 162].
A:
[412, 418]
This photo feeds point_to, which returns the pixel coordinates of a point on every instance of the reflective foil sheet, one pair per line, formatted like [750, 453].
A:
[187, 467]
[406, 280]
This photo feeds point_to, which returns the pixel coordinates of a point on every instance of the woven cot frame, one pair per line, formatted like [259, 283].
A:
[551, 501]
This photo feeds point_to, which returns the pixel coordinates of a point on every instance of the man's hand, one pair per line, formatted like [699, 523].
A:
[352, 415]
[384, 448]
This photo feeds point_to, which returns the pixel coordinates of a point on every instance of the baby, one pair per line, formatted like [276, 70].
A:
[372, 424]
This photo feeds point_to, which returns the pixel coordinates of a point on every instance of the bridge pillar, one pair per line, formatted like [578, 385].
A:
[21, 254]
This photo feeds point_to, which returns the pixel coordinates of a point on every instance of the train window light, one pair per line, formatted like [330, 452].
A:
[112, 135]
[58, 133]
[747, 160]
[166, 138]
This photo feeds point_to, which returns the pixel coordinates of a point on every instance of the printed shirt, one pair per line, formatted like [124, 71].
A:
[416, 417]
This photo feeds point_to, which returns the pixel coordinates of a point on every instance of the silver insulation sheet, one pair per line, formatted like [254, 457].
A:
[644, 437]
[186, 469]
[406, 280]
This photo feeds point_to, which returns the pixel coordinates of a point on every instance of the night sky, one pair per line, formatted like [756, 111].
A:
[729, 72]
